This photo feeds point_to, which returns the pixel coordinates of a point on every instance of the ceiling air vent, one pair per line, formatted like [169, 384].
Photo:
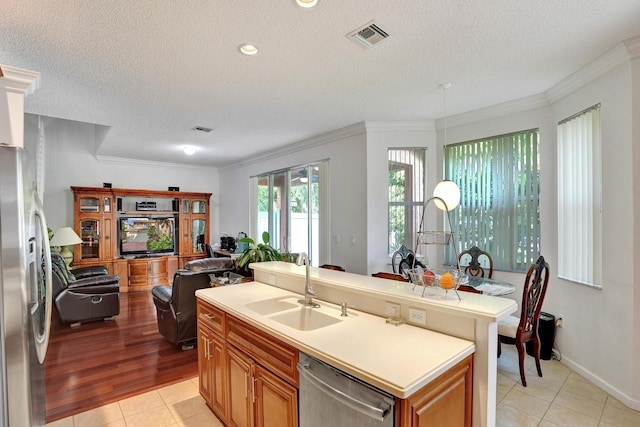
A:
[368, 35]
[202, 129]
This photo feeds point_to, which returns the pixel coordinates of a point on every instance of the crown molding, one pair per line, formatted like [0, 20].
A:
[633, 47]
[18, 79]
[124, 160]
[325, 138]
[588, 73]
[498, 110]
[406, 126]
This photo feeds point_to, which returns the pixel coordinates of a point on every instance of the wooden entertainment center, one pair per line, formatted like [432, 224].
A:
[96, 218]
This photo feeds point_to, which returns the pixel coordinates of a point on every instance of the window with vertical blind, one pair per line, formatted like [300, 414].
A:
[579, 198]
[499, 211]
[406, 195]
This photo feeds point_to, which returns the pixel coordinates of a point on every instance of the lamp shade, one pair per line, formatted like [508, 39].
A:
[449, 192]
[65, 236]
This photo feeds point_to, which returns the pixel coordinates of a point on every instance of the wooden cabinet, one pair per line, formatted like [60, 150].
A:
[93, 221]
[212, 358]
[447, 400]
[276, 400]
[147, 272]
[241, 389]
[97, 218]
[194, 225]
[248, 378]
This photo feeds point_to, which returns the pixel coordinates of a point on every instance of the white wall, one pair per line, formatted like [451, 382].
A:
[597, 339]
[598, 332]
[381, 137]
[70, 161]
[345, 149]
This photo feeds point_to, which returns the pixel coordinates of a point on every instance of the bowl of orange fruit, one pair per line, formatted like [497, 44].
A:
[438, 278]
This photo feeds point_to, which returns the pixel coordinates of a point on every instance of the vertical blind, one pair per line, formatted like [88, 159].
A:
[499, 210]
[579, 198]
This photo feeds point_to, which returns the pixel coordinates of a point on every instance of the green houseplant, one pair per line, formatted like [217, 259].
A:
[257, 252]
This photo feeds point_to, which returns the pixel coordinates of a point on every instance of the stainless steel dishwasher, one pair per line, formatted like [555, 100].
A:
[330, 397]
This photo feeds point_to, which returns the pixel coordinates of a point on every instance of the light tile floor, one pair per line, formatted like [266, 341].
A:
[561, 398]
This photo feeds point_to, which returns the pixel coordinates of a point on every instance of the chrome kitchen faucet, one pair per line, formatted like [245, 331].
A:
[308, 290]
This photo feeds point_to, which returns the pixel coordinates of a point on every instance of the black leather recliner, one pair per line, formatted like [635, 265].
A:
[176, 304]
[84, 294]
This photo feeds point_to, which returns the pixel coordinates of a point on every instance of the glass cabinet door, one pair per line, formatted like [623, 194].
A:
[198, 207]
[90, 235]
[197, 234]
[89, 204]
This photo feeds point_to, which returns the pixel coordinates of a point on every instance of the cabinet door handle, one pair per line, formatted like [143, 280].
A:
[253, 390]
[246, 385]
[204, 344]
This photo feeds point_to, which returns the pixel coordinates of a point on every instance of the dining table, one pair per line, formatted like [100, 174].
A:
[491, 287]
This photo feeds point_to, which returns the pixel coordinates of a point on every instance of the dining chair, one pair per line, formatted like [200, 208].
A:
[474, 267]
[470, 289]
[404, 259]
[390, 276]
[332, 267]
[518, 331]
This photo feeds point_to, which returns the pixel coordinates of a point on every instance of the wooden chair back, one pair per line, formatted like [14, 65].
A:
[404, 259]
[474, 268]
[390, 276]
[332, 267]
[535, 288]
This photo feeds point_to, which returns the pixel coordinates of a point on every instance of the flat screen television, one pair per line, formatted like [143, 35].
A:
[147, 235]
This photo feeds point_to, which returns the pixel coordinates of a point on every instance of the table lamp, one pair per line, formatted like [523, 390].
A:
[65, 237]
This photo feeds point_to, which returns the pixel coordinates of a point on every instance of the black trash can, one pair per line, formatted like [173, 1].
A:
[547, 335]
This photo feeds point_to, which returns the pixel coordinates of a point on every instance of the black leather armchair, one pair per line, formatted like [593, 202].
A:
[176, 304]
[84, 294]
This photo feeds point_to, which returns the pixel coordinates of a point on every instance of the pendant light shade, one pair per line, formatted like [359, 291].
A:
[449, 192]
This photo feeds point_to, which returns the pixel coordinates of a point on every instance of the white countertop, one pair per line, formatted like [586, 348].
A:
[398, 359]
[475, 306]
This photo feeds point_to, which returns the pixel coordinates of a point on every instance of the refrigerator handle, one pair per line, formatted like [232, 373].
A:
[41, 347]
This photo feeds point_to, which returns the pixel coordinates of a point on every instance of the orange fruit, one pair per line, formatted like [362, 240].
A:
[447, 281]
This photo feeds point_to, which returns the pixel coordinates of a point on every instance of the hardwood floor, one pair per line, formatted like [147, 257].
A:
[105, 361]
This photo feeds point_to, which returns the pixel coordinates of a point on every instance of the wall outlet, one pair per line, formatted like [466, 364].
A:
[418, 316]
[391, 309]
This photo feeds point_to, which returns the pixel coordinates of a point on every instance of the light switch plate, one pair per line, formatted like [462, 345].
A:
[391, 309]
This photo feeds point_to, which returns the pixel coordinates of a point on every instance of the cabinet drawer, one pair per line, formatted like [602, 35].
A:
[212, 317]
[273, 354]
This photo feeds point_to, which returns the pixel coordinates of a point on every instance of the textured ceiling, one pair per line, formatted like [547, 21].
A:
[151, 70]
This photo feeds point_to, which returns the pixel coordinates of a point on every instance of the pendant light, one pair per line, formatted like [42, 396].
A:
[447, 191]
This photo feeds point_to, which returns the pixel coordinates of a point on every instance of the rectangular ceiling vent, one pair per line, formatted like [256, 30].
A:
[202, 129]
[368, 35]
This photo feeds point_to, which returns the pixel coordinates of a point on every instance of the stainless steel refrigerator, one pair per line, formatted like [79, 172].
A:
[25, 290]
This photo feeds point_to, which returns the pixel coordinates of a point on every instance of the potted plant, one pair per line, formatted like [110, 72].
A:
[260, 252]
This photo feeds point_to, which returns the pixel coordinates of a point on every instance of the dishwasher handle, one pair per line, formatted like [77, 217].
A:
[377, 413]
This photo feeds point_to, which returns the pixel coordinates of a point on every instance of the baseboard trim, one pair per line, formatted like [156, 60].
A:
[604, 385]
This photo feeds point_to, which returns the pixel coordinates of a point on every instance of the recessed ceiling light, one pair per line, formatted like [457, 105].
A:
[307, 4]
[248, 49]
[189, 149]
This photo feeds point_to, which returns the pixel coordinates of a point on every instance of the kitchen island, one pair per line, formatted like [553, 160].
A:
[398, 359]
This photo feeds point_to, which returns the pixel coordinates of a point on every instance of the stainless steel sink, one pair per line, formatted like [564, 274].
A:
[272, 305]
[305, 319]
